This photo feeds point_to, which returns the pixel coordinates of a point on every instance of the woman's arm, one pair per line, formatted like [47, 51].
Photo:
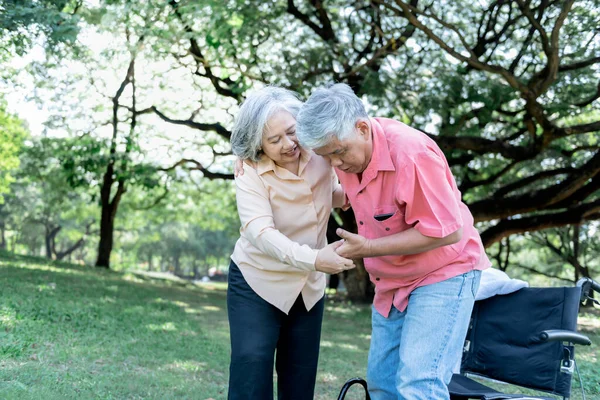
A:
[258, 227]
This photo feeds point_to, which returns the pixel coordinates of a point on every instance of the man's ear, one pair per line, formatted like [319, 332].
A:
[363, 128]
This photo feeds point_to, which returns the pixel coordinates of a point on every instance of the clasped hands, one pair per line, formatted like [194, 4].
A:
[337, 256]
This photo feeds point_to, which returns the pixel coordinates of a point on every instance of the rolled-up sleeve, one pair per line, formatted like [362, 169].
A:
[431, 204]
[258, 228]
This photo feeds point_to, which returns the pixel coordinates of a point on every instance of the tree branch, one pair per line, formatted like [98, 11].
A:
[511, 187]
[507, 227]
[579, 64]
[495, 208]
[197, 166]
[325, 31]
[216, 127]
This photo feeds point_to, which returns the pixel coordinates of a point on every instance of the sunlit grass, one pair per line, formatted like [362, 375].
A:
[75, 332]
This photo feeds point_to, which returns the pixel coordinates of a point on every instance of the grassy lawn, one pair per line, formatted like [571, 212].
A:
[70, 332]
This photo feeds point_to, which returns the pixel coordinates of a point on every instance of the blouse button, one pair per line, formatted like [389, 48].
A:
[360, 222]
[387, 229]
[376, 279]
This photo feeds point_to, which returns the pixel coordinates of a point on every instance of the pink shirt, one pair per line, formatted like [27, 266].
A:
[408, 184]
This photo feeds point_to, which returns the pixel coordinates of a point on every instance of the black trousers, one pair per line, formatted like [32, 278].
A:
[258, 330]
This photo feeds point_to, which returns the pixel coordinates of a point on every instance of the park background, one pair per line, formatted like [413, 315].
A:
[117, 209]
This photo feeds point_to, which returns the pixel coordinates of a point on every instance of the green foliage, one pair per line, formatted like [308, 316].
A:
[194, 227]
[42, 200]
[551, 257]
[195, 60]
[24, 22]
[12, 135]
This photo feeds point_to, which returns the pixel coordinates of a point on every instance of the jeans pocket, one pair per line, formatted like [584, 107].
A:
[463, 278]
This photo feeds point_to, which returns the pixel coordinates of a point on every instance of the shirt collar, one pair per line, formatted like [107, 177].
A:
[265, 164]
[381, 160]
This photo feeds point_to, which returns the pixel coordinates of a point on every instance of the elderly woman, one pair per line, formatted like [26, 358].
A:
[276, 276]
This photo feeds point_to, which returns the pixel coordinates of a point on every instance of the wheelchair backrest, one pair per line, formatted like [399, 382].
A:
[503, 341]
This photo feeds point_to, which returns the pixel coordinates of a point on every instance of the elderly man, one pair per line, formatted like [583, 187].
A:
[415, 234]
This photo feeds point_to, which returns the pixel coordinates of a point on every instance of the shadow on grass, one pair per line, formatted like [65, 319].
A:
[79, 332]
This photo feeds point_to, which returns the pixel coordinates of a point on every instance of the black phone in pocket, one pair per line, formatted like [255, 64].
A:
[383, 217]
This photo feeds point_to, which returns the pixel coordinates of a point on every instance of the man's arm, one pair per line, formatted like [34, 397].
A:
[410, 241]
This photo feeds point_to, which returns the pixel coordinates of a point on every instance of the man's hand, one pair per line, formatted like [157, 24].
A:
[355, 246]
[330, 262]
[238, 168]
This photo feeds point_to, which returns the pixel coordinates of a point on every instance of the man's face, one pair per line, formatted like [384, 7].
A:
[351, 155]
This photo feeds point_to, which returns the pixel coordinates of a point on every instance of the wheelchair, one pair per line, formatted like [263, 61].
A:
[526, 338]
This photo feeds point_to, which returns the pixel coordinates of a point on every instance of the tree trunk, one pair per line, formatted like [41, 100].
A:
[177, 270]
[110, 206]
[2, 237]
[106, 236]
[50, 241]
[48, 245]
[195, 269]
[150, 259]
[107, 219]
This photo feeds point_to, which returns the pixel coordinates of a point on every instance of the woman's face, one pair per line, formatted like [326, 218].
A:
[279, 141]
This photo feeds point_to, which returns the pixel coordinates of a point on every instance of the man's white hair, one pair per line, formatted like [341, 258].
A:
[329, 112]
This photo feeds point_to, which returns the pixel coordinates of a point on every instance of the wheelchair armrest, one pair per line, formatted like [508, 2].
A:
[555, 335]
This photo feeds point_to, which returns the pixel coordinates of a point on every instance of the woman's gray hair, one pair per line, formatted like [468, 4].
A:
[253, 117]
[329, 112]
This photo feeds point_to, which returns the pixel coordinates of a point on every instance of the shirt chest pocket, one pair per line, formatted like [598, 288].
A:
[388, 220]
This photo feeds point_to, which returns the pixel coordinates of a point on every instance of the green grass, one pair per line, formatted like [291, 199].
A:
[72, 332]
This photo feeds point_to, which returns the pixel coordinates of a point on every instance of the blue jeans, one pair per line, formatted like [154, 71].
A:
[413, 353]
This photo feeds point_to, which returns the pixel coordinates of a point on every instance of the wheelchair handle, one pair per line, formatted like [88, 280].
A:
[587, 285]
[351, 382]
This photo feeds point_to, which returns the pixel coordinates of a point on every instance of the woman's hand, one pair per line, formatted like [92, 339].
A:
[330, 262]
[238, 168]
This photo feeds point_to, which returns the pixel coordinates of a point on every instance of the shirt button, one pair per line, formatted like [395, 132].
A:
[376, 279]
[360, 222]
[387, 229]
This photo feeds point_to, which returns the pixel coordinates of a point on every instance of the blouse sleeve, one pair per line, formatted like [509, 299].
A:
[257, 225]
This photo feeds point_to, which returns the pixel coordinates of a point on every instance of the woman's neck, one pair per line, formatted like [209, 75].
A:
[293, 166]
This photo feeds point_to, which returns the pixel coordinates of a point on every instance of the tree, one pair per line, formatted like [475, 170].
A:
[506, 88]
[12, 135]
[41, 198]
[195, 227]
[568, 252]
[23, 22]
